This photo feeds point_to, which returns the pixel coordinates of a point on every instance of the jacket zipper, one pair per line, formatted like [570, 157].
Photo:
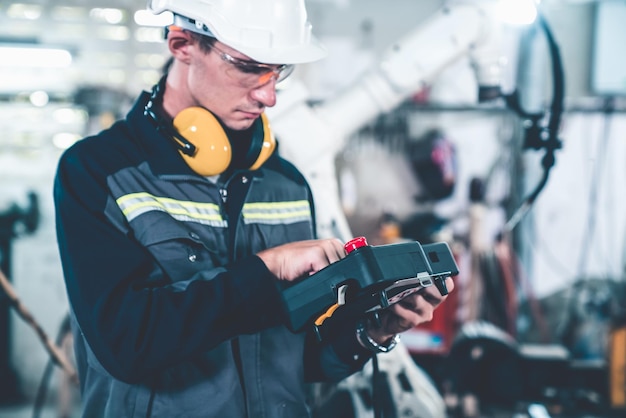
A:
[232, 238]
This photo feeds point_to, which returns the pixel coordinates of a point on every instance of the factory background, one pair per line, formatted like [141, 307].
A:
[570, 246]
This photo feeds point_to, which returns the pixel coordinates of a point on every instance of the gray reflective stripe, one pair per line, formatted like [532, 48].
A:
[135, 204]
[277, 213]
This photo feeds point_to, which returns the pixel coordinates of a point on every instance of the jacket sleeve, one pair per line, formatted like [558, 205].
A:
[338, 354]
[134, 329]
[336, 357]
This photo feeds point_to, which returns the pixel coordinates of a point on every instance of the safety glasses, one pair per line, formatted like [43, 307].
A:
[251, 73]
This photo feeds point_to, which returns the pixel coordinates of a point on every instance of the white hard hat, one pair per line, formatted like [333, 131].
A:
[268, 31]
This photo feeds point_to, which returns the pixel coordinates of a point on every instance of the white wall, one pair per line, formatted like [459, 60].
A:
[579, 220]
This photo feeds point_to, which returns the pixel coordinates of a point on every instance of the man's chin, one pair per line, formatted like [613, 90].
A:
[241, 124]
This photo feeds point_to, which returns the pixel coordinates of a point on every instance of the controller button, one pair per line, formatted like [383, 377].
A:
[355, 243]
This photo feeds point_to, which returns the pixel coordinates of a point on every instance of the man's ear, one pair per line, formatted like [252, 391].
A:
[178, 42]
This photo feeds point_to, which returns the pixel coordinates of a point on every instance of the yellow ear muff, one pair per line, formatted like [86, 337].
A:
[268, 146]
[213, 152]
[203, 130]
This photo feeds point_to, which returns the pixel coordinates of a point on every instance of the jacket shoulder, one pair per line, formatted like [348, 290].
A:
[108, 151]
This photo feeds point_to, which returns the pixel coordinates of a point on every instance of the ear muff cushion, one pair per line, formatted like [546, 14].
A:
[268, 146]
[213, 150]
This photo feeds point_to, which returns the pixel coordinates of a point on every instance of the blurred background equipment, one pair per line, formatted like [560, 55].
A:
[433, 160]
[617, 367]
[14, 222]
[57, 356]
[400, 388]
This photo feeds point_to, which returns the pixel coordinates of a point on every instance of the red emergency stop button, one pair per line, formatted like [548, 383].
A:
[355, 243]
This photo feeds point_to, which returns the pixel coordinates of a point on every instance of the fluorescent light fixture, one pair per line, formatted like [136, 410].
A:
[68, 13]
[29, 56]
[108, 15]
[147, 18]
[24, 11]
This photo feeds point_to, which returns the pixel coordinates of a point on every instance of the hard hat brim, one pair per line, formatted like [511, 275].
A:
[313, 50]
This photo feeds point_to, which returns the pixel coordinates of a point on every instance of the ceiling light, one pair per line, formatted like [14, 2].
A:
[39, 98]
[147, 18]
[24, 11]
[68, 13]
[64, 140]
[25, 56]
[109, 15]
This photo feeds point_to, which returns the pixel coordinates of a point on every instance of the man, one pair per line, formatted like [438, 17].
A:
[176, 225]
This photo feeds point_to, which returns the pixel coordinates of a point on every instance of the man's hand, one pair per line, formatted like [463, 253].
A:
[411, 311]
[297, 259]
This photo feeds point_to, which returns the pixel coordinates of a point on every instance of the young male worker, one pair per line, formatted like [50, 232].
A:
[175, 225]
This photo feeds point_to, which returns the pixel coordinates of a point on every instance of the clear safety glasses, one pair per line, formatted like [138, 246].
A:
[251, 73]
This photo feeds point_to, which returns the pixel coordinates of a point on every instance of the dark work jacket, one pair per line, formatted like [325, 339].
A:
[173, 314]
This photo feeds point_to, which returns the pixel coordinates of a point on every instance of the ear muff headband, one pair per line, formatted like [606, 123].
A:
[213, 152]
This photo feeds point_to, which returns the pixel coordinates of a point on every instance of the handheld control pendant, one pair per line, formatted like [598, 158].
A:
[367, 279]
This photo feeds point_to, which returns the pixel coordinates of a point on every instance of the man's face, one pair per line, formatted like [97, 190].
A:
[231, 85]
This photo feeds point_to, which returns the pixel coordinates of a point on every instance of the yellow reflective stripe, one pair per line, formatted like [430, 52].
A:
[278, 212]
[277, 205]
[135, 204]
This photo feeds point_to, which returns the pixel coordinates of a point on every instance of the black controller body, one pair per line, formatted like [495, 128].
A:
[367, 279]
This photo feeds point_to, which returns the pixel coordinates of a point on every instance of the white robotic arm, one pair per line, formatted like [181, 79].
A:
[312, 136]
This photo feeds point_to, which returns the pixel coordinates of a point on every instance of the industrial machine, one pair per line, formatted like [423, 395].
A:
[460, 29]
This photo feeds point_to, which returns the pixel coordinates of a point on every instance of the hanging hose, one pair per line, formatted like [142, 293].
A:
[56, 354]
[546, 138]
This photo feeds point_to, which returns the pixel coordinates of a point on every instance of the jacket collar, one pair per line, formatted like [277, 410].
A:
[162, 153]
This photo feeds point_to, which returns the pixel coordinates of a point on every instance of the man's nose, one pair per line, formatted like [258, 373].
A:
[265, 93]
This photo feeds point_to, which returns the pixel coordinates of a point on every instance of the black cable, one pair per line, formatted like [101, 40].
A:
[376, 404]
[539, 137]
